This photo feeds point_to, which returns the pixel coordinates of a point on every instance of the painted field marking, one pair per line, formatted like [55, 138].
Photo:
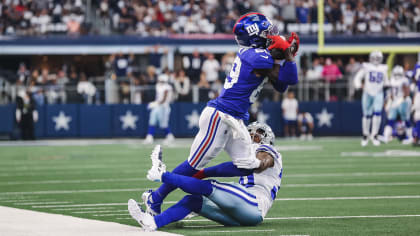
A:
[26, 200]
[321, 217]
[125, 214]
[350, 184]
[202, 226]
[90, 212]
[278, 199]
[69, 172]
[356, 174]
[347, 198]
[40, 203]
[235, 231]
[75, 191]
[387, 153]
[81, 208]
[73, 181]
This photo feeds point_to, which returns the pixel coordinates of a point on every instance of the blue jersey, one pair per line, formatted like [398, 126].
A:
[242, 86]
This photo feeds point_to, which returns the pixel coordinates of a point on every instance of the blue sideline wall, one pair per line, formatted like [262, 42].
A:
[103, 121]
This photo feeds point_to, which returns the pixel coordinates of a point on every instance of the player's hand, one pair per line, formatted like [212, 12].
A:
[278, 42]
[294, 43]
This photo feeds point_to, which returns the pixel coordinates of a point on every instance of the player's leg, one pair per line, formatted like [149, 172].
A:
[404, 111]
[392, 115]
[164, 124]
[207, 144]
[367, 110]
[378, 104]
[153, 120]
[286, 128]
[233, 200]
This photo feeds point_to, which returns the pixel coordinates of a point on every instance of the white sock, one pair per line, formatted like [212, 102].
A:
[376, 123]
[387, 133]
[366, 125]
[409, 132]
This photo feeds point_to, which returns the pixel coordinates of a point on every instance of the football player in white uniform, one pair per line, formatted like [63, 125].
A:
[372, 77]
[160, 109]
[416, 105]
[232, 204]
[398, 104]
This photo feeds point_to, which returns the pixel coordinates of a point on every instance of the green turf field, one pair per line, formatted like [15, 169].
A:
[330, 186]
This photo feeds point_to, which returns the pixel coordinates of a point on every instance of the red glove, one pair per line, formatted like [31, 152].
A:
[278, 42]
[294, 41]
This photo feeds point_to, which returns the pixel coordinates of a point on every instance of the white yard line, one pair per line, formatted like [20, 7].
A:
[91, 212]
[73, 181]
[40, 203]
[81, 208]
[125, 214]
[277, 199]
[74, 191]
[350, 184]
[234, 231]
[27, 200]
[320, 217]
[355, 174]
[347, 198]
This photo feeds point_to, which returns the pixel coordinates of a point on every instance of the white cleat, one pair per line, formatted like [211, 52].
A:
[407, 141]
[158, 167]
[148, 139]
[146, 221]
[375, 141]
[364, 142]
[170, 138]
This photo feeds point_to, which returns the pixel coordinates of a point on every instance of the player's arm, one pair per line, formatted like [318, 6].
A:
[266, 159]
[165, 95]
[358, 78]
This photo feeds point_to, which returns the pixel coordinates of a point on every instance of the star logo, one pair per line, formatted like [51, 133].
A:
[129, 120]
[262, 117]
[193, 119]
[61, 121]
[324, 118]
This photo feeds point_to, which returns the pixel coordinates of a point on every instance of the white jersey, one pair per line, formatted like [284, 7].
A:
[397, 93]
[290, 108]
[374, 77]
[161, 88]
[266, 184]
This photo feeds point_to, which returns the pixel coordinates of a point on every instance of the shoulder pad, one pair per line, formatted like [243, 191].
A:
[257, 58]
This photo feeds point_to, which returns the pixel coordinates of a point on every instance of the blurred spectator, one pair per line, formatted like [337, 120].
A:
[288, 13]
[23, 75]
[26, 115]
[210, 69]
[227, 62]
[302, 12]
[192, 64]
[305, 125]
[155, 56]
[268, 9]
[182, 86]
[290, 107]
[121, 65]
[315, 72]
[331, 72]
[86, 89]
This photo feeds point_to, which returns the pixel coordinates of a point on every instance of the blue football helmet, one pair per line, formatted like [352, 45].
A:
[251, 30]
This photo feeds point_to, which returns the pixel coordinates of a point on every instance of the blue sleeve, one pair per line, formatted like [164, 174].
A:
[288, 73]
[280, 86]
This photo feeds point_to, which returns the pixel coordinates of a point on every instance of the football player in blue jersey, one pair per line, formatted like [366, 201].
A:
[263, 57]
[232, 204]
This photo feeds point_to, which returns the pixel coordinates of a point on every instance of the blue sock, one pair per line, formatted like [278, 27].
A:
[391, 123]
[188, 184]
[180, 210]
[407, 124]
[167, 131]
[151, 130]
[183, 169]
[226, 169]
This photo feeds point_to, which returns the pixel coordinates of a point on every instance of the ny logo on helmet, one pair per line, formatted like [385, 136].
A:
[252, 29]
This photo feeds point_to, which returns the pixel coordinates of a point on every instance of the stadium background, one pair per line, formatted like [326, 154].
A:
[121, 47]
[330, 187]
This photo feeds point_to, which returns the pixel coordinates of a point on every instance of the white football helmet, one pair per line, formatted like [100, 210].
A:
[376, 57]
[398, 71]
[263, 131]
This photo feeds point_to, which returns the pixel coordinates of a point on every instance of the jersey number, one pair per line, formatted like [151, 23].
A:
[376, 77]
[234, 74]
